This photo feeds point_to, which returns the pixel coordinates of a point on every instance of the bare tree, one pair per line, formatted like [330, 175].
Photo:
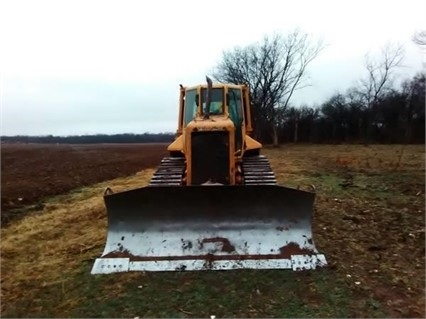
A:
[378, 80]
[419, 38]
[274, 69]
[414, 92]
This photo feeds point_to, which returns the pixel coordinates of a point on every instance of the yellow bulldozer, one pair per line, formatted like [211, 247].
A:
[213, 203]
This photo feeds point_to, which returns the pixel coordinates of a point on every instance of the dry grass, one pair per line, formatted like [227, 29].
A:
[369, 215]
[41, 248]
[369, 221]
[295, 164]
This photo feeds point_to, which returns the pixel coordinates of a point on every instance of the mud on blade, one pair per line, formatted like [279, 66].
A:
[209, 227]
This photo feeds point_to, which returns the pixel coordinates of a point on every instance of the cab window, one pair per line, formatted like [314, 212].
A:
[216, 104]
[235, 107]
[190, 106]
[236, 114]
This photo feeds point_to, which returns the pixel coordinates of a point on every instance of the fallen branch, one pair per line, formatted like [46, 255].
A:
[184, 311]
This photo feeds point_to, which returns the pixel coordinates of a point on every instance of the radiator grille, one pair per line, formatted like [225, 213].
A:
[210, 157]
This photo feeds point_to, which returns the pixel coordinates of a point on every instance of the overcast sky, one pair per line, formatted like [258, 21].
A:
[87, 67]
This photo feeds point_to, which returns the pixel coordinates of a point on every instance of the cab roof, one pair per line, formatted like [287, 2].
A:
[216, 86]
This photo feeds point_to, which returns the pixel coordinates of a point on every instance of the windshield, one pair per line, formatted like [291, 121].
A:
[190, 105]
[236, 114]
[216, 105]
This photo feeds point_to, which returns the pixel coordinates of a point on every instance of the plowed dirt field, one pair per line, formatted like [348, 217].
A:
[31, 172]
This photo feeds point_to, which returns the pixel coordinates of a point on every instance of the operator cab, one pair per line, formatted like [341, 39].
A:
[225, 100]
[232, 105]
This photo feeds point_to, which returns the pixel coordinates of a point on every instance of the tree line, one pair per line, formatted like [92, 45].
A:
[398, 116]
[373, 111]
[92, 139]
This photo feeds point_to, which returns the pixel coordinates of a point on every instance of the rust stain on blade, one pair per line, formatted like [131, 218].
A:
[122, 253]
[208, 257]
[294, 249]
[209, 261]
[285, 252]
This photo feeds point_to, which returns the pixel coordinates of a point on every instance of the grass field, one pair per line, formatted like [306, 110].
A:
[369, 221]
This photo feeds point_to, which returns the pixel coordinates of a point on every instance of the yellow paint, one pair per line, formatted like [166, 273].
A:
[252, 144]
[177, 145]
[220, 122]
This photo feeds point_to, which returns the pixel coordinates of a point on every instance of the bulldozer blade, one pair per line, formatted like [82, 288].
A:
[171, 228]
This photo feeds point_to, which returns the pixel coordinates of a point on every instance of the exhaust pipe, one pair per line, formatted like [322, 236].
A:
[208, 97]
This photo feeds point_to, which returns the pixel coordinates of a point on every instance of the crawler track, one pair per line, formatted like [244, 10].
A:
[256, 169]
[169, 173]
